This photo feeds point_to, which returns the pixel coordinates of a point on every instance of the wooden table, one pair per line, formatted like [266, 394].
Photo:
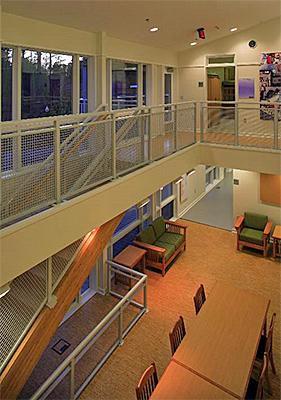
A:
[179, 383]
[130, 257]
[223, 340]
[276, 236]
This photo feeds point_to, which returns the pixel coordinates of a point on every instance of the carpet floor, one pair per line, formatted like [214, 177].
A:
[211, 256]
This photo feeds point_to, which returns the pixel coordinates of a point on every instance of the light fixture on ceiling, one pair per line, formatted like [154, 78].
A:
[143, 203]
[161, 188]
[192, 171]
[178, 180]
[193, 43]
[155, 29]
[233, 29]
[4, 289]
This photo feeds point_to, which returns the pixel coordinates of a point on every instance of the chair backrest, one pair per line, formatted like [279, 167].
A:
[268, 345]
[263, 369]
[147, 383]
[255, 221]
[177, 334]
[199, 298]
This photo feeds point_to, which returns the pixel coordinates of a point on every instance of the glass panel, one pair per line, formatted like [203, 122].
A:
[145, 224]
[208, 179]
[46, 84]
[168, 210]
[221, 60]
[83, 62]
[167, 191]
[130, 216]
[86, 285]
[144, 85]
[125, 241]
[124, 85]
[145, 209]
[7, 76]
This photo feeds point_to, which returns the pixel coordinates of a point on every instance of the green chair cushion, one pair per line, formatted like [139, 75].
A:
[159, 227]
[170, 249]
[251, 236]
[147, 236]
[255, 221]
[173, 238]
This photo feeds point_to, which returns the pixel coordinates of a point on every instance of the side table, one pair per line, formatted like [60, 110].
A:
[276, 236]
[130, 257]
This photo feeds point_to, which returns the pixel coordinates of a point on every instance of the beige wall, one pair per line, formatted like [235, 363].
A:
[246, 197]
[33, 33]
[191, 62]
[196, 188]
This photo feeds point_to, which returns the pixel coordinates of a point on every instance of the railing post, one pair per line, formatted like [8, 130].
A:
[275, 145]
[195, 122]
[120, 323]
[51, 298]
[150, 157]
[176, 129]
[142, 133]
[236, 123]
[113, 139]
[202, 122]
[72, 380]
[145, 297]
[57, 161]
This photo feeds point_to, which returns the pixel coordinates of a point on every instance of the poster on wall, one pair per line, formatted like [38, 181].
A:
[270, 83]
[183, 188]
[246, 88]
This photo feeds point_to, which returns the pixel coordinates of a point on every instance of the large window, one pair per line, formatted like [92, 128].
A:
[46, 84]
[6, 90]
[130, 216]
[144, 85]
[124, 85]
[83, 101]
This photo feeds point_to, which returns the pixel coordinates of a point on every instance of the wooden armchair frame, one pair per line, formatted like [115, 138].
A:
[155, 256]
[239, 225]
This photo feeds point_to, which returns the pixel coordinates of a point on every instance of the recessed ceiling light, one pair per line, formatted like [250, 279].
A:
[154, 29]
[193, 43]
[233, 29]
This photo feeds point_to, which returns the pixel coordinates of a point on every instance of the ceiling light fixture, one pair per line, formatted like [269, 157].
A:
[233, 29]
[180, 179]
[4, 289]
[161, 188]
[193, 43]
[192, 171]
[143, 203]
[155, 29]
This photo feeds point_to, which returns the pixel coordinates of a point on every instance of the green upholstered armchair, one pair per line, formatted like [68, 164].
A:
[253, 230]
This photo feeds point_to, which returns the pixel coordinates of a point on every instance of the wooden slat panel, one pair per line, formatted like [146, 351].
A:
[270, 188]
[37, 339]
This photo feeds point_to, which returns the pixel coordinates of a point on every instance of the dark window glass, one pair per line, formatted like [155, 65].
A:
[167, 191]
[86, 285]
[83, 62]
[144, 85]
[168, 210]
[168, 96]
[130, 216]
[46, 84]
[125, 241]
[145, 209]
[145, 224]
[6, 87]
[124, 85]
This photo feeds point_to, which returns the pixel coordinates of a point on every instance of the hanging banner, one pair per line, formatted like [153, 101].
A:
[270, 83]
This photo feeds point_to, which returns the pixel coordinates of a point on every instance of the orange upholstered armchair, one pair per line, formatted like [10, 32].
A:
[253, 230]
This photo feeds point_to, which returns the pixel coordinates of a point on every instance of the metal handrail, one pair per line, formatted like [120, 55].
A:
[69, 362]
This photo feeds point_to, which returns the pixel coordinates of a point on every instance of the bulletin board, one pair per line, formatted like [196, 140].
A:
[270, 189]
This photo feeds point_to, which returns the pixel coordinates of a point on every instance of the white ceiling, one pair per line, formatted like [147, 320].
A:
[177, 20]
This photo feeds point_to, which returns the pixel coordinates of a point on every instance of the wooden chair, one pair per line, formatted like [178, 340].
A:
[265, 346]
[199, 298]
[177, 334]
[147, 383]
[255, 388]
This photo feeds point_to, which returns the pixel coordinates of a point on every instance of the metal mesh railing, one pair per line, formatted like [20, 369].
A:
[186, 121]
[241, 124]
[26, 298]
